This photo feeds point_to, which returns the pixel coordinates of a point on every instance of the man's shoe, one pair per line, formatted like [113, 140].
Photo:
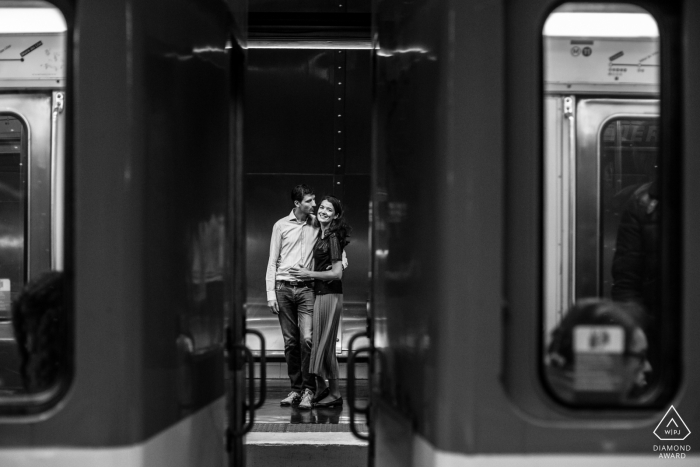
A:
[292, 398]
[306, 399]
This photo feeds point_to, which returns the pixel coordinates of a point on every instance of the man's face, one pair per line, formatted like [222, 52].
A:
[306, 205]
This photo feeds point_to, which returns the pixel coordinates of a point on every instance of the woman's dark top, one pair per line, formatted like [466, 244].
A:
[326, 251]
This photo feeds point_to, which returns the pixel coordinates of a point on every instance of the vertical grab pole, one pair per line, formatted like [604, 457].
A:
[570, 115]
[57, 183]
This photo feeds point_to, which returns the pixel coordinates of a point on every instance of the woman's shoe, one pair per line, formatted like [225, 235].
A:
[321, 395]
[334, 403]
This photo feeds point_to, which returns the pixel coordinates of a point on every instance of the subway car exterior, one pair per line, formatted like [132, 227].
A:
[478, 196]
[493, 214]
[121, 179]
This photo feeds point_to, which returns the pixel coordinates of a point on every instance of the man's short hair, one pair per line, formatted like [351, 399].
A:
[299, 191]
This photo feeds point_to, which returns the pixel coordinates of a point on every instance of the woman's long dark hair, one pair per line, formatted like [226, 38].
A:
[338, 226]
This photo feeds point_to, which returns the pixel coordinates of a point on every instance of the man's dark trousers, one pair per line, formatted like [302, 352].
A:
[296, 306]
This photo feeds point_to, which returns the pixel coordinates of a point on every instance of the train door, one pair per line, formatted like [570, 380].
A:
[607, 151]
[601, 158]
[617, 146]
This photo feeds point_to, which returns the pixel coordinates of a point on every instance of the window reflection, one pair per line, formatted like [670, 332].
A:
[12, 244]
[629, 150]
[602, 297]
[12, 179]
[598, 354]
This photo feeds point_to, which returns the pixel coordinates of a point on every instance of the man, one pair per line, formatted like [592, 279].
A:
[291, 245]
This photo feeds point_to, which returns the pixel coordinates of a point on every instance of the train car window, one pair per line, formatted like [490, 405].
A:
[12, 211]
[32, 102]
[605, 339]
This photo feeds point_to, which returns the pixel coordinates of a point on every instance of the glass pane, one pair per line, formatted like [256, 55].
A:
[12, 182]
[629, 150]
[603, 330]
[12, 242]
[32, 313]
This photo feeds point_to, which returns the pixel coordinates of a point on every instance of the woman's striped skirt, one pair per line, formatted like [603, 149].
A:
[327, 310]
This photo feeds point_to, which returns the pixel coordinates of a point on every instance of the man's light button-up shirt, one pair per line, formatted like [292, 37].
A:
[291, 245]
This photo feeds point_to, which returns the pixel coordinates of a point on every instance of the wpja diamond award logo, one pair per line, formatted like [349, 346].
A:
[672, 428]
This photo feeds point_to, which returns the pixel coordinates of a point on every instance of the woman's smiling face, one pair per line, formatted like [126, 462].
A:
[326, 212]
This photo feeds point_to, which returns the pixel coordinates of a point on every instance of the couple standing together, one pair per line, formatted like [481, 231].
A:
[305, 290]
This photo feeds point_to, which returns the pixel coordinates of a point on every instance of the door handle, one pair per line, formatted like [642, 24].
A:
[251, 405]
[263, 368]
[351, 385]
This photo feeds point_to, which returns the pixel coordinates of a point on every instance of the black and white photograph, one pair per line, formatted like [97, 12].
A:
[349, 233]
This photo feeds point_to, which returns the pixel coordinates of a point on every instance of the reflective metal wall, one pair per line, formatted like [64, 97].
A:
[307, 121]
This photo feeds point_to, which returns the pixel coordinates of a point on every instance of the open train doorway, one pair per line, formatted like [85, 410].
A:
[307, 119]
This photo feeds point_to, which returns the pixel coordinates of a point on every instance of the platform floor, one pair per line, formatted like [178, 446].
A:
[290, 437]
[271, 417]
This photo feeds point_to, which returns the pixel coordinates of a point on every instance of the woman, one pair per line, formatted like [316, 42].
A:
[328, 287]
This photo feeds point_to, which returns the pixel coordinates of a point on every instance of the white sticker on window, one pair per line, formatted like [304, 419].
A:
[598, 362]
[5, 298]
[599, 339]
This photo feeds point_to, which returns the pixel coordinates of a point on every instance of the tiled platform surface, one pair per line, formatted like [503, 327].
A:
[288, 436]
